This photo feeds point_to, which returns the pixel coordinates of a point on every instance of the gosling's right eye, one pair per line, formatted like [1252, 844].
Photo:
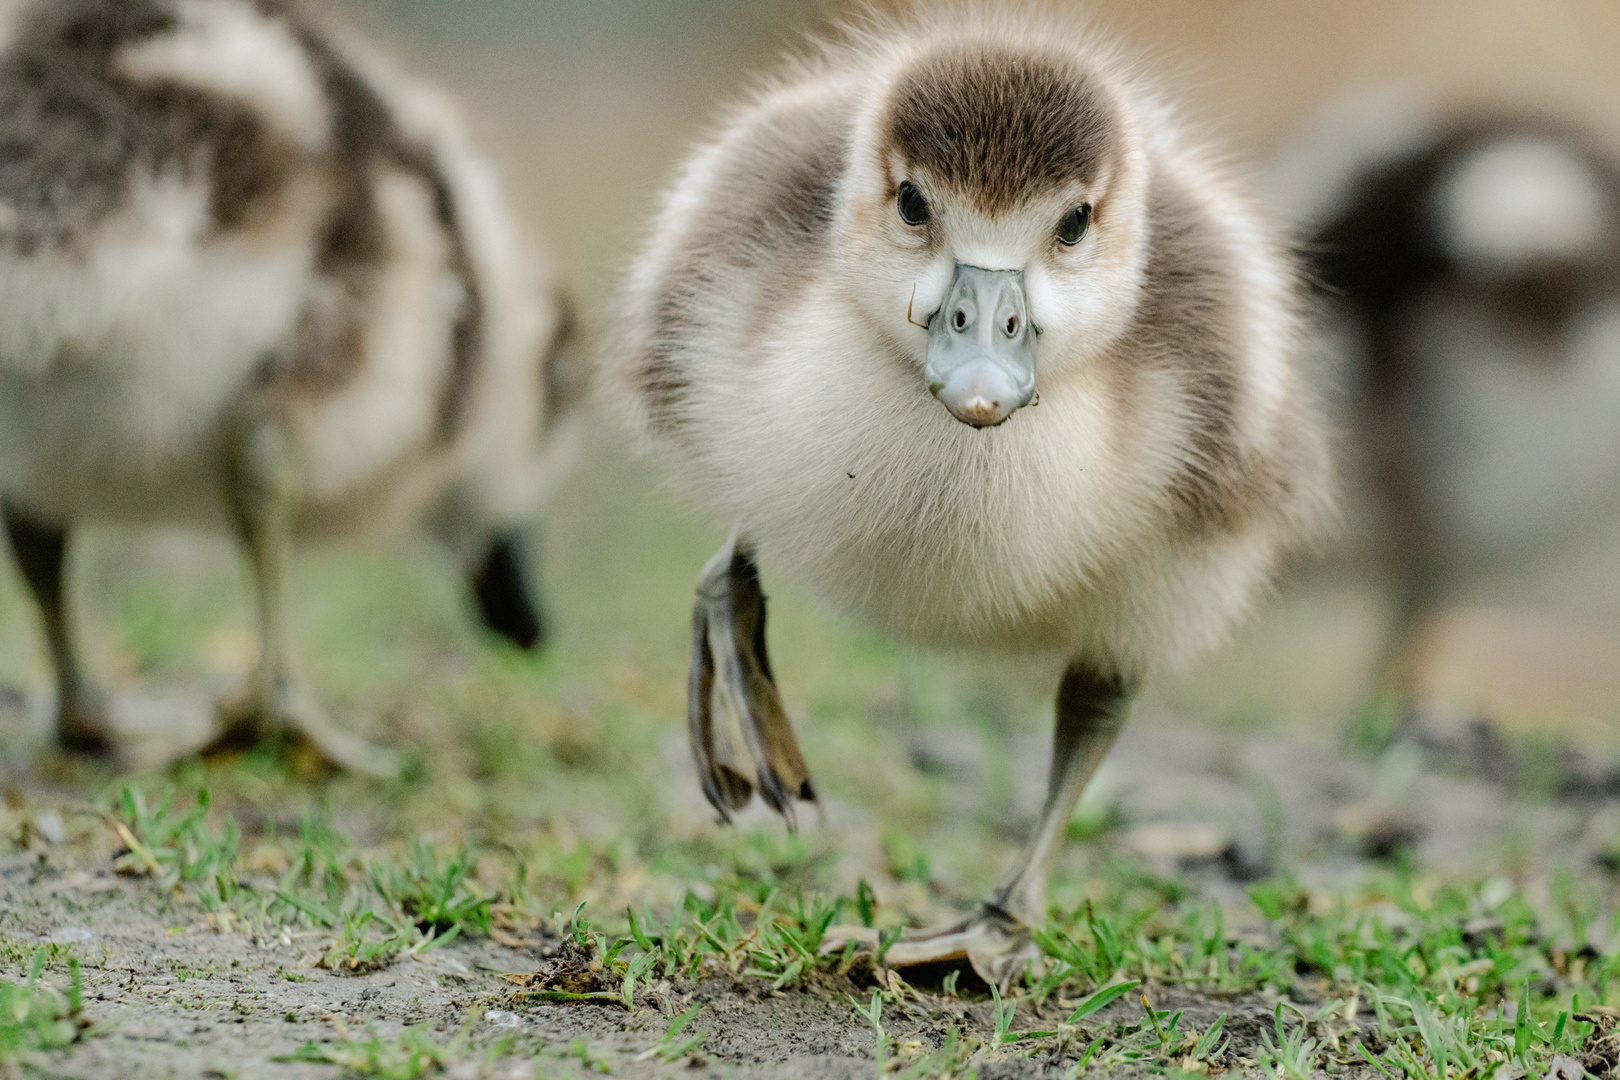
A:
[913, 207]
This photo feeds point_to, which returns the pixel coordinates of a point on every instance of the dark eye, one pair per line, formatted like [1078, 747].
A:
[913, 207]
[1074, 227]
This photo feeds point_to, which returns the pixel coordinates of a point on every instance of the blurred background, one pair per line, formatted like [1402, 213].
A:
[587, 105]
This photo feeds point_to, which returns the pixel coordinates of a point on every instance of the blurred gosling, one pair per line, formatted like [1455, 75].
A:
[252, 277]
[1477, 266]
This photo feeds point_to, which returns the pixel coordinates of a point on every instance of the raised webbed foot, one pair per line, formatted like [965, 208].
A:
[996, 944]
[753, 745]
[285, 717]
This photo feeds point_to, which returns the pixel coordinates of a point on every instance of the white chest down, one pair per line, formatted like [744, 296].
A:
[118, 364]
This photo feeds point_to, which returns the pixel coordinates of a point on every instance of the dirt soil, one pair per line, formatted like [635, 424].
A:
[170, 995]
[171, 998]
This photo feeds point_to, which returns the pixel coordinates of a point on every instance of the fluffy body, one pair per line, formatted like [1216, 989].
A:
[770, 356]
[212, 206]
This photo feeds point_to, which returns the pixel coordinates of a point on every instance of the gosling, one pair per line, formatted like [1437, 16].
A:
[956, 324]
[1480, 267]
[253, 277]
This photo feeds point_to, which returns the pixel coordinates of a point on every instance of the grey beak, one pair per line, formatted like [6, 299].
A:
[981, 347]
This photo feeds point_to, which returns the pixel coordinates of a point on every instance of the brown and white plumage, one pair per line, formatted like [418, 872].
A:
[252, 275]
[779, 341]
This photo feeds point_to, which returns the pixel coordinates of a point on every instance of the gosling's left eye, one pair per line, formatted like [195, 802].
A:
[1074, 227]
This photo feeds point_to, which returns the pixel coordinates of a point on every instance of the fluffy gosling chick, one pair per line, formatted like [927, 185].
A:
[955, 323]
[251, 276]
[1480, 268]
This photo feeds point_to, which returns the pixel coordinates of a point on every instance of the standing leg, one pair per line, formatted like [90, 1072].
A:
[1401, 665]
[41, 550]
[263, 482]
[1091, 710]
[1390, 425]
[263, 493]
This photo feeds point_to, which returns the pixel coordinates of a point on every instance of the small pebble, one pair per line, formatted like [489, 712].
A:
[49, 825]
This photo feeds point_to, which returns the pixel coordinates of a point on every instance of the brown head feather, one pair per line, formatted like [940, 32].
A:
[1001, 125]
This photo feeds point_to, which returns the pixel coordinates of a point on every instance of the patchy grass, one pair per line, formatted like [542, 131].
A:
[379, 910]
[35, 1017]
[173, 847]
[413, 1053]
[433, 892]
[553, 834]
[1407, 974]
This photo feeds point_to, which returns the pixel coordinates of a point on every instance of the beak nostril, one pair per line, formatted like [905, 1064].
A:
[1012, 326]
[961, 319]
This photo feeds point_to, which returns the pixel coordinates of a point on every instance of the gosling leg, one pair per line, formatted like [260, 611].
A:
[263, 486]
[753, 743]
[41, 550]
[1091, 710]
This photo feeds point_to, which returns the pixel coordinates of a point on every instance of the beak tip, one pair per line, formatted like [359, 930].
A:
[982, 396]
[979, 413]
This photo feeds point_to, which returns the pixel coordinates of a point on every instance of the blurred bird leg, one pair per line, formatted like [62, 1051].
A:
[731, 669]
[1404, 657]
[1091, 710]
[263, 486]
[41, 550]
[1415, 558]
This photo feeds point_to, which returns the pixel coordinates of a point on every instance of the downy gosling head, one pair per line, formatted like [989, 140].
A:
[996, 200]
[955, 322]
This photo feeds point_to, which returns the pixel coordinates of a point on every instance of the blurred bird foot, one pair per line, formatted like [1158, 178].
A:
[287, 718]
[82, 724]
[996, 944]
